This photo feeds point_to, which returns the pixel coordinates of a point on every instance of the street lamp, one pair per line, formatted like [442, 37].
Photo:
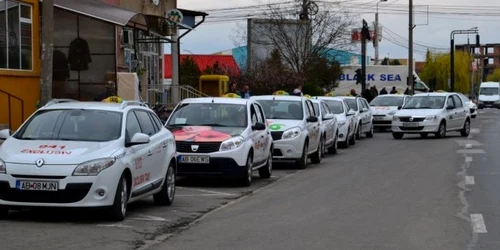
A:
[375, 42]
[474, 30]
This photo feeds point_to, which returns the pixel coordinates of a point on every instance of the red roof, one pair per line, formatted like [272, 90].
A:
[226, 62]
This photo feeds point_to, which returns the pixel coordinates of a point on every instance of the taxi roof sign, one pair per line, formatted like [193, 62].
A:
[281, 92]
[330, 93]
[113, 99]
[231, 95]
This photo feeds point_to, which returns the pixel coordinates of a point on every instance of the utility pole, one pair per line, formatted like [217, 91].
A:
[304, 15]
[375, 42]
[47, 51]
[365, 35]
[410, 48]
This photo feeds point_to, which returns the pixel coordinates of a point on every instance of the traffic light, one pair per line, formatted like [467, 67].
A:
[358, 76]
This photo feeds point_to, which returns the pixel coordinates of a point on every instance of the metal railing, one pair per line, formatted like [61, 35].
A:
[163, 95]
[9, 107]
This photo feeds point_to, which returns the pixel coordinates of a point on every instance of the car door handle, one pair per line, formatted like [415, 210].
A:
[150, 153]
[164, 145]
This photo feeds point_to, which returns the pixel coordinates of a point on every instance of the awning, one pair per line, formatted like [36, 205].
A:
[105, 12]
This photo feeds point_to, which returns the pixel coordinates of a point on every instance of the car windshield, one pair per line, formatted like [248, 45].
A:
[209, 114]
[425, 102]
[335, 106]
[466, 99]
[387, 101]
[282, 109]
[488, 91]
[352, 103]
[72, 125]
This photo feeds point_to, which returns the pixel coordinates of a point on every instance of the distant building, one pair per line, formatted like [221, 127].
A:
[487, 55]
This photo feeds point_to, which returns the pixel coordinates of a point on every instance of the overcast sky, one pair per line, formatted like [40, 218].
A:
[213, 37]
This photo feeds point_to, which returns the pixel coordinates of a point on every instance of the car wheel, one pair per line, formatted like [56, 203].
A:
[167, 194]
[266, 171]
[302, 162]
[358, 133]
[4, 212]
[316, 157]
[352, 140]
[424, 135]
[473, 116]
[441, 133]
[119, 209]
[465, 131]
[369, 134]
[334, 147]
[246, 180]
[397, 135]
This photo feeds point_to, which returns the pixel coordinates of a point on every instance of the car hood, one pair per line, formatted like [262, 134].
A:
[383, 110]
[488, 98]
[54, 152]
[205, 133]
[418, 112]
[282, 125]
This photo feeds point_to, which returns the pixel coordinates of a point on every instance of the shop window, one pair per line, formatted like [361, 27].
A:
[16, 43]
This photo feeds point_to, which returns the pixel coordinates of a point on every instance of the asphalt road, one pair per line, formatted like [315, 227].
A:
[380, 194]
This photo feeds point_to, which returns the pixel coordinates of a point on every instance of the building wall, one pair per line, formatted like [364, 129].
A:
[24, 84]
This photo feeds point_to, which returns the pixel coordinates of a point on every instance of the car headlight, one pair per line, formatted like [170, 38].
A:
[3, 167]
[232, 143]
[94, 167]
[291, 133]
[392, 113]
[431, 118]
[395, 118]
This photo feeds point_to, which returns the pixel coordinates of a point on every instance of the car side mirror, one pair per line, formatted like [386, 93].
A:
[138, 139]
[450, 107]
[312, 119]
[351, 113]
[328, 117]
[4, 134]
[363, 110]
[400, 107]
[259, 126]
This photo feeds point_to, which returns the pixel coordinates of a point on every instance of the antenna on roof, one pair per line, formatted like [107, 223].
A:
[213, 100]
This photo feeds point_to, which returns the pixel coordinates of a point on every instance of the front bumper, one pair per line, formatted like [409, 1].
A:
[218, 166]
[382, 121]
[421, 127]
[290, 149]
[73, 191]
[488, 105]
[343, 133]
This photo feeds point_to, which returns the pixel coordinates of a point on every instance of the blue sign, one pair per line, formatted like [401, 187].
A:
[373, 77]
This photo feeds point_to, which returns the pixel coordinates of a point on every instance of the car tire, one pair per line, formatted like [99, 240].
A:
[302, 162]
[246, 179]
[358, 132]
[397, 135]
[4, 212]
[424, 135]
[266, 171]
[167, 194]
[369, 134]
[352, 140]
[473, 116]
[465, 131]
[118, 210]
[333, 149]
[441, 133]
[316, 157]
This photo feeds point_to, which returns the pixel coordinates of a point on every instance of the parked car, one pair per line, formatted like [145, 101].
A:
[226, 137]
[329, 126]
[294, 127]
[384, 107]
[436, 113]
[345, 119]
[88, 154]
[472, 106]
[363, 116]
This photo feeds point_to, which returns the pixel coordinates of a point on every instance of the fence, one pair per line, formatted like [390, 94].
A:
[13, 123]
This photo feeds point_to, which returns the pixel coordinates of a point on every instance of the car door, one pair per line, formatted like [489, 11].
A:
[329, 124]
[368, 116]
[312, 127]
[162, 148]
[266, 135]
[151, 170]
[255, 134]
[461, 110]
[261, 134]
[138, 153]
[363, 114]
[450, 110]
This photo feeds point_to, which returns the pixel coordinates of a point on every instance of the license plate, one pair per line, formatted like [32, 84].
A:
[378, 118]
[197, 159]
[410, 124]
[37, 185]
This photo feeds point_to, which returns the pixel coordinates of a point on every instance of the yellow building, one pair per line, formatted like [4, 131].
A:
[19, 60]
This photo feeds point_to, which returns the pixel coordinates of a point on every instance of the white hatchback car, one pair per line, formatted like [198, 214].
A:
[363, 116]
[294, 127]
[345, 119]
[435, 113]
[329, 126]
[88, 154]
[226, 137]
[384, 107]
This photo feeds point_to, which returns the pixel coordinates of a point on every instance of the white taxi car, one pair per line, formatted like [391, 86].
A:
[225, 137]
[294, 127]
[435, 113]
[88, 154]
[345, 119]
[363, 116]
[329, 126]
[384, 107]
[472, 106]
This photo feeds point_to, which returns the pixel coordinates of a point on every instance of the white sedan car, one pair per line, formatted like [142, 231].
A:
[384, 107]
[363, 115]
[472, 106]
[435, 113]
[329, 126]
[345, 119]
[88, 154]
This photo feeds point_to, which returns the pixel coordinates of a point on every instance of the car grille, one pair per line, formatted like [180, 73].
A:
[74, 192]
[203, 147]
[277, 135]
[472, 110]
[411, 129]
[382, 122]
[489, 102]
[407, 119]
[378, 115]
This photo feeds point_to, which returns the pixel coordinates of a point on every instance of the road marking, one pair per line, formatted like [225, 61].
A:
[478, 225]
[207, 191]
[468, 145]
[114, 225]
[468, 159]
[142, 217]
[475, 131]
[471, 151]
[469, 180]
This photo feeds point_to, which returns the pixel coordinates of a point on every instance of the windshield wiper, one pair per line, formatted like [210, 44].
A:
[28, 138]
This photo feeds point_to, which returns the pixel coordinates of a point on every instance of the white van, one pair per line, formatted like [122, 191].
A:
[489, 95]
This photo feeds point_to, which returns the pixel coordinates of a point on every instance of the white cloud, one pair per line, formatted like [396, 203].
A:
[210, 37]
